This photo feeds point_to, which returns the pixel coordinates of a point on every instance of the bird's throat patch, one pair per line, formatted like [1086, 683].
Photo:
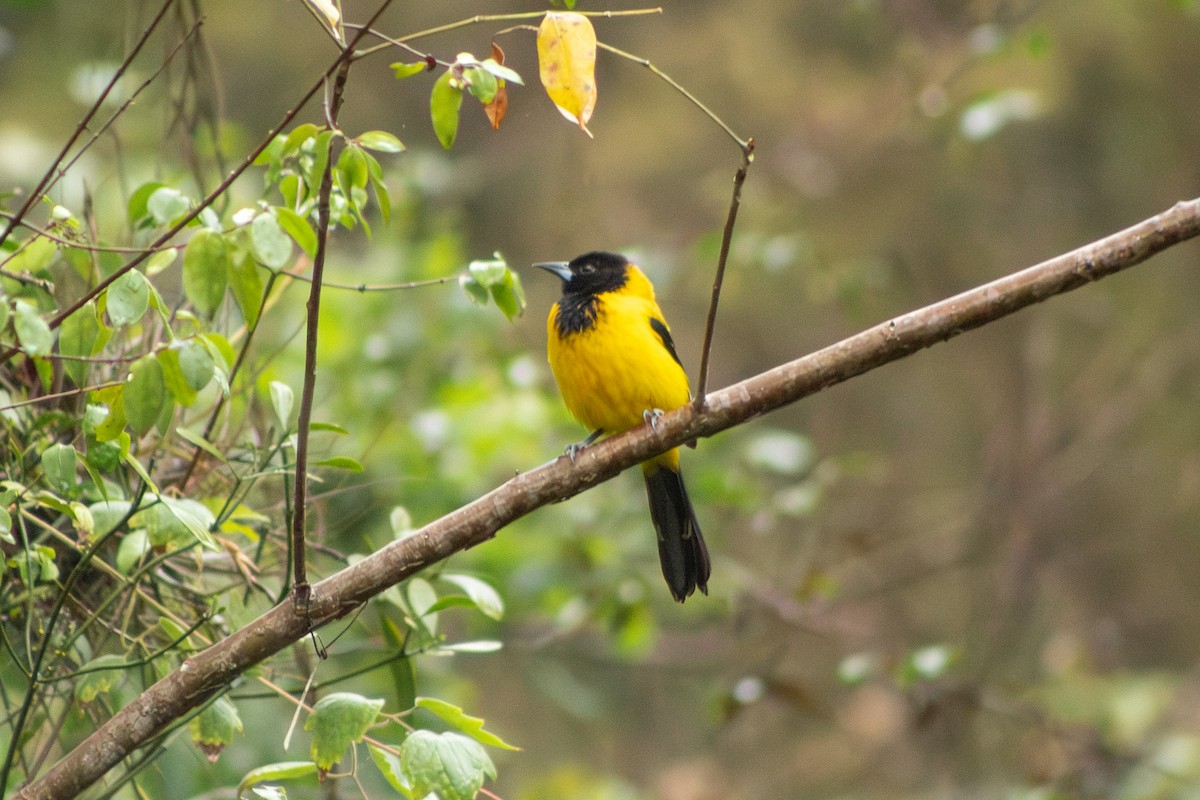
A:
[577, 313]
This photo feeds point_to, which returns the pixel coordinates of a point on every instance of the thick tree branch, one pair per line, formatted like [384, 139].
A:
[211, 670]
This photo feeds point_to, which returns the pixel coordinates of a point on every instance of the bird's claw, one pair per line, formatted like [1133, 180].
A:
[573, 450]
[651, 416]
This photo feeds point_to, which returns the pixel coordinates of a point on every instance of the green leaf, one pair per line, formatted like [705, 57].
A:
[502, 72]
[280, 771]
[444, 103]
[471, 726]
[320, 157]
[32, 331]
[173, 380]
[145, 393]
[214, 727]
[481, 83]
[489, 272]
[166, 205]
[58, 465]
[481, 593]
[197, 363]
[298, 228]
[337, 721]
[161, 260]
[379, 186]
[389, 766]
[35, 565]
[34, 256]
[509, 296]
[206, 270]
[449, 764]
[341, 462]
[282, 400]
[476, 292]
[247, 284]
[352, 169]
[99, 676]
[202, 443]
[76, 338]
[298, 136]
[402, 70]
[176, 522]
[6, 528]
[404, 672]
[271, 245]
[138, 206]
[134, 546]
[128, 297]
[331, 427]
[380, 142]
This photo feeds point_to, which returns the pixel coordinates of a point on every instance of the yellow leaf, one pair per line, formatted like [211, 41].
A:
[567, 63]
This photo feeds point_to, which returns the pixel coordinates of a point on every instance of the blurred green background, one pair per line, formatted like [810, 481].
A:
[971, 573]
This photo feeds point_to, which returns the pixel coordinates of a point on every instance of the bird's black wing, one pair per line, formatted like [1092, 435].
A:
[664, 336]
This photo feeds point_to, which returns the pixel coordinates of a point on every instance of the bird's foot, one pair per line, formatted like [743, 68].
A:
[651, 416]
[573, 450]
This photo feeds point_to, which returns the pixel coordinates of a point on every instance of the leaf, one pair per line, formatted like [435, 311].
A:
[337, 721]
[282, 400]
[509, 295]
[161, 260]
[389, 766]
[6, 528]
[173, 380]
[402, 70]
[213, 728]
[566, 44]
[166, 205]
[279, 771]
[476, 292]
[271, 245]
[327, 13]
[197, 364]
[444, 103]
[404, 672]
[58, 465]
[449, 764]
[137, 207]
[76, 338]
[127, 298]
[471, 726]
[482, 595]
[145, 392]
[202, 443]
[247, 285]
[206, 270]
[298, 228]
[481, 84]
[352, 169]
[34, 334]
[99, 676]
[380, 142]
[331, 427]
[134, 546]
[341, 462]
[33, 256]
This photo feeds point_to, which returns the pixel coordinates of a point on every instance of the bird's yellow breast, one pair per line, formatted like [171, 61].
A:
[614, 371]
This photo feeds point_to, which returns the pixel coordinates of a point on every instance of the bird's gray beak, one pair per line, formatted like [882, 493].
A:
[560, 268]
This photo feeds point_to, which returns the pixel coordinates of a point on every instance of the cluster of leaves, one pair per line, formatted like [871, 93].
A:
[149, 455]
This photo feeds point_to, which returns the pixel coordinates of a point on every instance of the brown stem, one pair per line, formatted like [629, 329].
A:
[710, 324]
[300, 503]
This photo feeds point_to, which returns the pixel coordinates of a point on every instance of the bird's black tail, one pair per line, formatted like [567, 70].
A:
[681, 548]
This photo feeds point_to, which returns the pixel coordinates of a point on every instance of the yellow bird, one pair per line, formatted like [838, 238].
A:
[615, 363]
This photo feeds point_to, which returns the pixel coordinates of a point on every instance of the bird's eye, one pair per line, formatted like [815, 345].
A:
[587, 269]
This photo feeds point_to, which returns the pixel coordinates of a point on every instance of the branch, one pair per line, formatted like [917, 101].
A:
[211, 670]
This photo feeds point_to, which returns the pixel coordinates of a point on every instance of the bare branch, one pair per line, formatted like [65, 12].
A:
[210, 671]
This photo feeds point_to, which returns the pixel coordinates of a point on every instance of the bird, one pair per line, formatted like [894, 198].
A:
[612, 355]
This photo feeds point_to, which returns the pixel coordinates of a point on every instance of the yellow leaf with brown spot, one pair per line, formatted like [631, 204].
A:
[566, 45]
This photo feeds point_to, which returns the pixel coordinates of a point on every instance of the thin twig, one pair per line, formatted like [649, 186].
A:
[300, 504]
[718, 280]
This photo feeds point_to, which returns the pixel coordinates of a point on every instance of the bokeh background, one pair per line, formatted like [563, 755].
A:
[971, 573]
